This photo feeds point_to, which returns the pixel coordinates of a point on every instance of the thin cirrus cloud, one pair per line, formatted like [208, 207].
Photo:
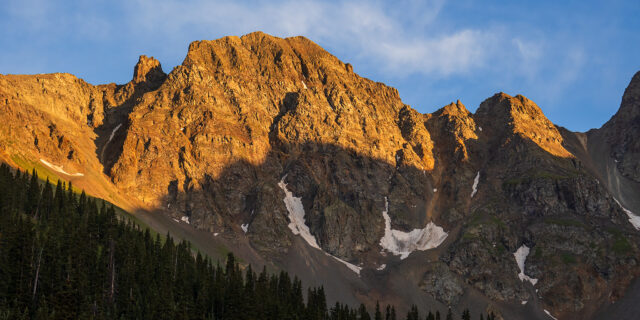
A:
[369, 30]
[458, 53]
[394, 39]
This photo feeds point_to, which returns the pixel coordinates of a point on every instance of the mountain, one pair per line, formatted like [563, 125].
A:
[277, 150]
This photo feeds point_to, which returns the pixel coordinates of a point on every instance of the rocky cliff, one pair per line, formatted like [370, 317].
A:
[281, 151]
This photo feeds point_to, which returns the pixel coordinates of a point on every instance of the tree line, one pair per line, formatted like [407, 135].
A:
[69, 256]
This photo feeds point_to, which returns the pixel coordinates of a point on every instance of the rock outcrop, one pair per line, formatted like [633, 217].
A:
[623, 129]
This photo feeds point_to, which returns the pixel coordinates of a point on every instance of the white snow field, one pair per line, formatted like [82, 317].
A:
[296, 215]
[633, 219]
[185, 219]
[404, 243]
[245, 227]
[59, 169]
[521, 256]
[475, 184]
[549, 314]
[298, 227]
[113, 132]
[351, 266]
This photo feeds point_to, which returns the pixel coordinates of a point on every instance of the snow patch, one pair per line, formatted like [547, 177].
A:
[113, 132]
[634, 219]
[176, 220]
[304, 85]
[185, 219]
[524, 302]
[351, 266]
[296, 215]
[480, 128]
[475, 184]
[245, 227]
[521, 256]
[549, 314]
[381, 267]
[215, 234]
[297, 225]
[435, 190]
[60, 169]
[403, 243]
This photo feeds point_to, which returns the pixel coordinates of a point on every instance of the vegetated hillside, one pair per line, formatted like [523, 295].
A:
[65, 257]
[278, 150]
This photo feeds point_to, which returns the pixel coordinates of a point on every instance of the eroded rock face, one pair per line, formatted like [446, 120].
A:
[148, 71]
[243, 112]
[212, 139]
[49, 117]
[623, 129]
[442, 284]
[522, 117]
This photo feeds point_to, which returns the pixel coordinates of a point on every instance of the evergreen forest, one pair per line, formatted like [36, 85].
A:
[65, 255]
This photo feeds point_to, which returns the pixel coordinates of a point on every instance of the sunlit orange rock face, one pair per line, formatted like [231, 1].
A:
[521, 116]
[212, 139]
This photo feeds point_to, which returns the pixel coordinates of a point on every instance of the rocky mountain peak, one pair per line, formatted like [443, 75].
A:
[505, 115]
[630, 106]
[504, 105]
[283, 65]
[148, 70]
[622, 129]
[458, 126]
[453, 109]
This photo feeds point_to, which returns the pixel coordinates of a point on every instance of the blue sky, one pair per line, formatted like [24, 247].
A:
[573, 58]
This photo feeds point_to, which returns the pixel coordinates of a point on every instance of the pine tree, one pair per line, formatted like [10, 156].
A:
[362, 313]
[413, 313]
[33, 195]
[78, 259]
[46, 200]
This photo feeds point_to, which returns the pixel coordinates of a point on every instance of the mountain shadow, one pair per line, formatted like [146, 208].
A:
[524, 196]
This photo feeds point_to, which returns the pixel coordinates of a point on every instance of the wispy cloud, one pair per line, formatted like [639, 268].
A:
[458, 53]
[530, 54]
[398, 40]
